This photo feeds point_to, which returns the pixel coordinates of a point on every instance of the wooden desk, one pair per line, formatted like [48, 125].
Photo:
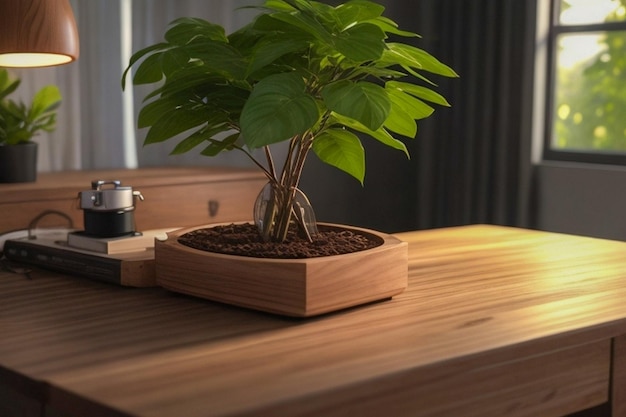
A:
[496, 322]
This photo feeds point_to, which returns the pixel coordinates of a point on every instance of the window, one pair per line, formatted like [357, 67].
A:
[586, 118]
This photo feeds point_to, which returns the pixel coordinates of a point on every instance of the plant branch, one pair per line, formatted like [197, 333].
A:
[270, 161]
[270, 176]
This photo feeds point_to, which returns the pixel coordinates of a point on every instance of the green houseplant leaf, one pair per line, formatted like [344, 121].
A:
[356, 11]
[315, 76]
[342, 149]
[278, 109]
[419, 91]
[45, 101]
[185, 29]
[361, 43]
[19, 122]
[7, 86]
[363, 101]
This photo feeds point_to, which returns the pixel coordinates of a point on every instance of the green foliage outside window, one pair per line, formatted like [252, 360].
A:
[590, 96]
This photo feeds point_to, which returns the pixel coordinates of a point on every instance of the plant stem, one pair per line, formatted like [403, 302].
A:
[269, 173]
[289, 186]
[270, 161]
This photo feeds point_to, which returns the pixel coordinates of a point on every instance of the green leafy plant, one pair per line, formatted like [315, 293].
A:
[305, 72]
[19, 122]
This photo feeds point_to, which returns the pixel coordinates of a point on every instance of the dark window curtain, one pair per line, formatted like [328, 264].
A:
[469, 163]
[473, 160]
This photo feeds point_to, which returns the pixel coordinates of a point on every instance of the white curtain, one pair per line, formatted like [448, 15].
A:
[90, 132]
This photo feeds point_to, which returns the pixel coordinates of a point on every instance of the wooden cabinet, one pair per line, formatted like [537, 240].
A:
[174, 197]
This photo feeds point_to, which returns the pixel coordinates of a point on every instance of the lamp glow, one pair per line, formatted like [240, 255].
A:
[37, 33]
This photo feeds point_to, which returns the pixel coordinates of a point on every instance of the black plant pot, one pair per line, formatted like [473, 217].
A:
[18, 163]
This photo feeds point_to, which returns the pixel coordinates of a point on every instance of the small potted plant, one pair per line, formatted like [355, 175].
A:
[18, 124]
[318, 77]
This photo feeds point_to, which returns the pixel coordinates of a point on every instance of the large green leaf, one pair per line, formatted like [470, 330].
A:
[191, 142]
[417, 58]
[186, 29]
[151, 112]
[278, 5]
[16, 110]
[45, 100]
[7, 86]
[219, 57]
[149, 71]
[302, 5]
[400, 121]
[380, 73]
[415, 107]
[269, 23]
[419, 91]
[278, 109]
[206, 133]
[363, 101]
[140, 54]
[341, 149]
[357, 11]
[189, 80]
[187, 88]
[380, 135]
[178, 120]
[217, 146]
[303, 22]
[389, 26]
[214, 56]
[271, 49]
[173, 60]
[361, 43]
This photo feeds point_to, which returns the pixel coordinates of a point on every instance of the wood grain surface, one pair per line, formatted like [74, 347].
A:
[495, 322]
[39, 26]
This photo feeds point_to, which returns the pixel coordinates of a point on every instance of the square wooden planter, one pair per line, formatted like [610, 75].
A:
[292, 287]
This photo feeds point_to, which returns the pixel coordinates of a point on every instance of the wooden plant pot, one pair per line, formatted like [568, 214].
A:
[291, 287]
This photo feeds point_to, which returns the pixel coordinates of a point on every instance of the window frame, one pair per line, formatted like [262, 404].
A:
[555, 30]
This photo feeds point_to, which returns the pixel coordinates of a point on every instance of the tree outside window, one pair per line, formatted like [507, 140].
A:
[588, 111]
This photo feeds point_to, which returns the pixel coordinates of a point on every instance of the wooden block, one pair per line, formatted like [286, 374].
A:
[293, 287]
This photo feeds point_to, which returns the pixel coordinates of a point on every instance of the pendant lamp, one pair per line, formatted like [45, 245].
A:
[37, 33]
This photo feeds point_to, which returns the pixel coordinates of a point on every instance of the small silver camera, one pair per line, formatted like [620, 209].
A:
[108, 209]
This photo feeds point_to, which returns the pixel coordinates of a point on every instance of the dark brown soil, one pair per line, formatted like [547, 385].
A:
[245, 240]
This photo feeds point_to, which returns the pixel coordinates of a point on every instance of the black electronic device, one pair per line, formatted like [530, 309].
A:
[108, 249]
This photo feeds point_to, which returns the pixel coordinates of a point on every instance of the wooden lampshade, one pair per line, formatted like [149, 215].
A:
[37, 33]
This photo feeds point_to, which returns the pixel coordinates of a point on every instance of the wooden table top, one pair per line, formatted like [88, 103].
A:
[476, 294]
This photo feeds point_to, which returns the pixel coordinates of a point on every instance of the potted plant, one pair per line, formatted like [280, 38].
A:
[18, 124]
[315, 76]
